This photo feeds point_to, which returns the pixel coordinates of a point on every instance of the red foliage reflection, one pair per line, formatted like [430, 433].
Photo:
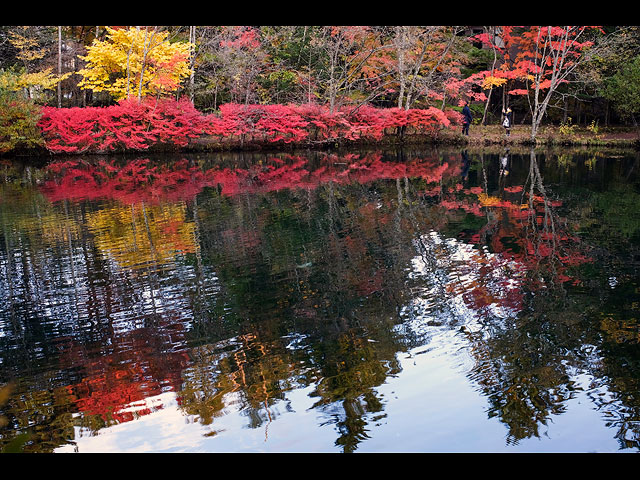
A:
[141, 181]
[116, 386]
[524, 228]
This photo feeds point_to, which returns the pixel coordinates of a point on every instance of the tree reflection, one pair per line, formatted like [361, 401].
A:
[525, 367]
[236, 282]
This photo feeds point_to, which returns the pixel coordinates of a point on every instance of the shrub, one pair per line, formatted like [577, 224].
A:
[133, 125]
[296, 123]
[18, 123]
[129, 125]
[271, 122]
[567, 128]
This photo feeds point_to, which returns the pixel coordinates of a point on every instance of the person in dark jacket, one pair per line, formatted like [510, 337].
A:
[466, 112]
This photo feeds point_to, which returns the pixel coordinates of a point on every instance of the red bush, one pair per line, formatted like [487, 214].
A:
[130, 125]
[133, 125]
[297, 123]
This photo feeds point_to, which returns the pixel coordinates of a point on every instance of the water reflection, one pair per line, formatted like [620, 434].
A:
[248, 291]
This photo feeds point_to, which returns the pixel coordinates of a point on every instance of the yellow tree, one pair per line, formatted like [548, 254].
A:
[34, 85]
[32, 82]
[137, 61]
[27, 45]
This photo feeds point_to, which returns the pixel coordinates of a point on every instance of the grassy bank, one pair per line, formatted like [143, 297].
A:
[480, 135]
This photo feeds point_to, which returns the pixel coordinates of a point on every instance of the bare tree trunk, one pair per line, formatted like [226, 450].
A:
[129, 68]
[144, 59]
[59, 66]
[309, 71]
[401, 39]
[333, 89]
[192, 39]
[493, 66]
[147, 47]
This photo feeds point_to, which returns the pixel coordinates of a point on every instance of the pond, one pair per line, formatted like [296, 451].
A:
[375, 301]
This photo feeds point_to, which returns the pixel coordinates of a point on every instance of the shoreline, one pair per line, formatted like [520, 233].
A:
[479, 137]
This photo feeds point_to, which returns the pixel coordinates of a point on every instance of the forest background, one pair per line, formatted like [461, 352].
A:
[76, 89]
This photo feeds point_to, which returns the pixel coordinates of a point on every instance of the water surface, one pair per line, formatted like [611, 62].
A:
[412, 301]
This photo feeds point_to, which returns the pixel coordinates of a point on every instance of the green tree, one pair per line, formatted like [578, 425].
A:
[623, 90]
